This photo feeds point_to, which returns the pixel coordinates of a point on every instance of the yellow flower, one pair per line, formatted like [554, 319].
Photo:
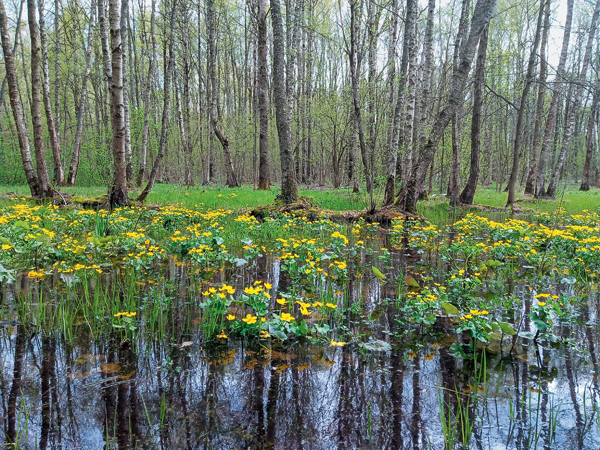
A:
[281, 301]
[6, 247]
[542, 296]
[337, 343]
[222, 335]
[287, 317]
[268, 285]
[305, 312]
[230, 317]
[249, 319]
[541, 304]
[264, 334]
[331, 305]
[35, 275]
[317, 304]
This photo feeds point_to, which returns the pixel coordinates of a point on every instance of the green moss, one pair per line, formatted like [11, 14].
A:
[90, 202]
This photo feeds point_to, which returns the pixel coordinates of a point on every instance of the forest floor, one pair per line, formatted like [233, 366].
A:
[488, 201]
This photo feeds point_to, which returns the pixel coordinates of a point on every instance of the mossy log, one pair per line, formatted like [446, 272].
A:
[304, 208]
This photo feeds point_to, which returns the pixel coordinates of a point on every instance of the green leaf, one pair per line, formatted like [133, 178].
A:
[378, 273]
[539, 323]
[303, 328]
[507, 328]
[322, 329]
[239, 262]
[493, 263]
[42, 239]
[411, 282]
[377, 346]
[430, 319]
[449, 308]
[278, 334]
[22, 225]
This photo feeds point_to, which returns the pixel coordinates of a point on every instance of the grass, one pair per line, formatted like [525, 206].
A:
[436, 209]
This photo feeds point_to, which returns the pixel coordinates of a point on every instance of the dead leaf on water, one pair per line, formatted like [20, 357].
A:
[79, 375]
[283, 356]
[128, 376]
[196, 320]
[109, 368]
[186, 344]
[411, 282]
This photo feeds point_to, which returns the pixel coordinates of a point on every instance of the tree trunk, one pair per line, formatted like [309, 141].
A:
[481, 18]
[393, 150]
[215, 110]
[589, 139]
[104, 42]
[147, 90]
[309, 96]
[540, 184]
[184, 138]
[537, 128]
[354, 75]
[118, 192]
[406, 137]
[17, 108]
[575, 105]
[189, 176]
[126, 90]
[57, 5]
[74, 166]
[264, 178]
[529, 78]
[374, 12]
[391, 153]
[14, 49]
[289, 186]
[427, 73]
[454, 179]
[292, 50]
[468, 193]
[169, 67]
[36, 102]
[59, 174]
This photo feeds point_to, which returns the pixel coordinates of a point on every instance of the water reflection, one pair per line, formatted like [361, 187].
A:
[100, 391]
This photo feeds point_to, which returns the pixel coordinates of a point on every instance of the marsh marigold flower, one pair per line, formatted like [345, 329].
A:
[250, 319]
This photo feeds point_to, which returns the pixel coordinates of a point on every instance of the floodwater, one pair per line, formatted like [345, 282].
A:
[98, 391]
